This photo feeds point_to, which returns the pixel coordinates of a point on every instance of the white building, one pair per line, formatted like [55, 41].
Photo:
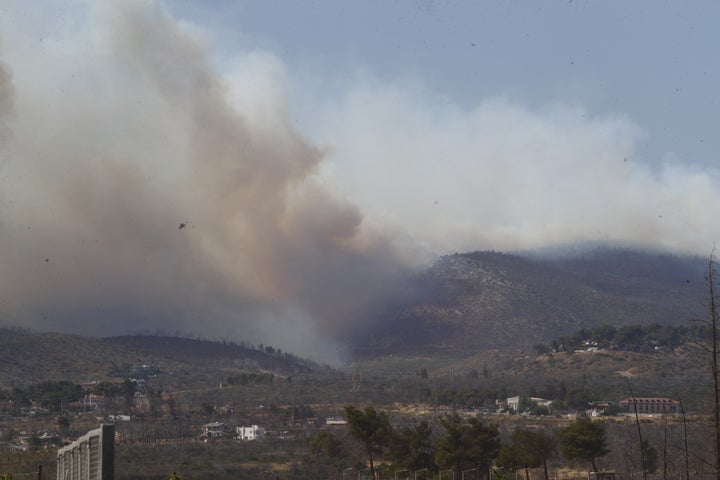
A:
[253, 432]
[335, 422]
[513, 403]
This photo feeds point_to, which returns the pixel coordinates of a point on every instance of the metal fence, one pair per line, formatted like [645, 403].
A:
[91, 457]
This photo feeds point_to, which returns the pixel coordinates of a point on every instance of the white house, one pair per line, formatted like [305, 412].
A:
[514, 402]
[253, 432]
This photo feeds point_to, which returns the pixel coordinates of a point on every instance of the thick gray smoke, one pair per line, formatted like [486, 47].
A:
[139, 195]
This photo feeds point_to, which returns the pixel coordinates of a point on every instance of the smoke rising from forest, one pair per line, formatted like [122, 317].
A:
[140, 188]
[137, 195]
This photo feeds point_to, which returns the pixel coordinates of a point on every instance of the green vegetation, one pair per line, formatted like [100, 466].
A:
[650, 457]
[328, 449]
[462, 443]
[637, 338]
[399, 437]
[412, 447]
[126, 388]
[467, 444]
[584, 440]
[527, 449]
[372, 429]
[48, 395]
[416, 400]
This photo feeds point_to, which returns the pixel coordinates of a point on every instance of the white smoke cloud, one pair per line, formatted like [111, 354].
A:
[501, 175]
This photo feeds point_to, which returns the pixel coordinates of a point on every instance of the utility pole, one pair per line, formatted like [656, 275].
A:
[712, 348]
[685, 439]
[665, 446]
[714, 357]
[627, 376]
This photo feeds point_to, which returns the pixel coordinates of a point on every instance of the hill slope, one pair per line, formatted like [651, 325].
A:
[469, 302]
[28, 358]
[490, 299]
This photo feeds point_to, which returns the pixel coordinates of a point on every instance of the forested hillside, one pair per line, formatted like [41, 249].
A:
[491, 299]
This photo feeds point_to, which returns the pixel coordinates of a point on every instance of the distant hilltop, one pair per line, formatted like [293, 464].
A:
[491, 299]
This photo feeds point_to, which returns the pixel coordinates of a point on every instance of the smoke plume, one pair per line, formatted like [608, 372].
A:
[144, 187]
[138, 194]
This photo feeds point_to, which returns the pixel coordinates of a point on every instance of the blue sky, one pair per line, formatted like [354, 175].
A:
[655, 62]
[314, 152]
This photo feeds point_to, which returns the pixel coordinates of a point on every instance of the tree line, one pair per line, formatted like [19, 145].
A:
[459, 445]
[53, 395]
[638, 338]
[49, 395]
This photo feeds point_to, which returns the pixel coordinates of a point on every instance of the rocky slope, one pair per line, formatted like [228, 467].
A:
[490, 299]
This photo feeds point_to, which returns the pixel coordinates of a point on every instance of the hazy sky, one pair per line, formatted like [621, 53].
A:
[314, 152]
[529, 123]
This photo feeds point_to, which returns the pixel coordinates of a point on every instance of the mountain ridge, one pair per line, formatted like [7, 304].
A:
[489, 299]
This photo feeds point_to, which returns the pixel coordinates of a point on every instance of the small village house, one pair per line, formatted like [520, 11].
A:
[253, 432]
[513, 403]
